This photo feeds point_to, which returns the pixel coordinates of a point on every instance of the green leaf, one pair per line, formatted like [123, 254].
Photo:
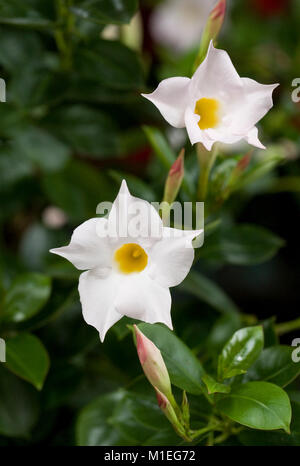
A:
[27, 357]
[41, 148]
[222, 330]
[19, 48]
[259, 405]
[166, 154]
[122, 418]
[78, 190]
[209, 292]
[213, 386]
[111, 63]
[273, 156]
[161, 146]
[275, 365]
[26, 296]
[184, 368]
[105, 11]
[270, 335]
[240, 352]
[242, 245]
[18, 406]
[28, 14]
[254, 438]
[88, 131]
[13, 167]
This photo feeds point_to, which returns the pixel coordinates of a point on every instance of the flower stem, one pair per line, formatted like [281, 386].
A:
[286, 327]
[63, 33]
[206, 160]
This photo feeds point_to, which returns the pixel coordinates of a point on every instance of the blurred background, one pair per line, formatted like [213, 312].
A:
[71, 128]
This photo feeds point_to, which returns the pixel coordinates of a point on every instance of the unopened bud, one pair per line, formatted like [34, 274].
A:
[174, 179]
[169, 412]
[153, 364]
[212, 29]
[185, 409]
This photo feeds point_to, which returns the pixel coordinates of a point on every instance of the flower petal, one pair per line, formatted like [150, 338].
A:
[87, 249]
[133, 220]
[171, 98]
[97, 297]
[172, 257]
[252, 138]
[258, 101]
[142, 298]
[194, 132]
[216, 77]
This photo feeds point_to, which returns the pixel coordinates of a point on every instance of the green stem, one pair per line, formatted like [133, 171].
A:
[206, 161]
[287, 327]
[197, 433]
[63, 34]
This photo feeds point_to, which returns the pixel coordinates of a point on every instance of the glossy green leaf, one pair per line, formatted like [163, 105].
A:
[26, 296]
[29, 14]
[275, 364]
[19, 48]
[105, 11]
[42, 149]
[184, 368]
[114, 65]
[13, 167]
[259, 405]
[78, 190]
[208, 291]
[222, 330]
[93, 427]
[242, 245]
[122, 418]
[275, 439]
[240, 352]
[27, 357]
[89, 132]
[213, 386]
[19, 407]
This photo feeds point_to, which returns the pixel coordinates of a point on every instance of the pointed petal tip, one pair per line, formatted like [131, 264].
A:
[56, 250]
[102, 336]
[124, 188]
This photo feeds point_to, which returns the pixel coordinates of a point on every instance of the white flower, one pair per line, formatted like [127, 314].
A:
[128, 274]
[179, 23]
[216, 104]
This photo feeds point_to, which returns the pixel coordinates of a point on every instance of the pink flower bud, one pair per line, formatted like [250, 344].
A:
[169, 412]
[212, 29]
[152, 363]
[174, 179]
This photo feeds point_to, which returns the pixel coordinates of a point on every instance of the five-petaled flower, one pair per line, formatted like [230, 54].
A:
[216, 104]
[128, 274]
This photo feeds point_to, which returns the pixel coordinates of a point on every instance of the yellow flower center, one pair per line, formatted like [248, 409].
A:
[207, 109]
[131, 258]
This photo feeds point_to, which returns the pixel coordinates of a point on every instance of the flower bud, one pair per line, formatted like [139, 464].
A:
[212, 29]
[153, 364]
[169, 412]
[185, 409]
[174, 179]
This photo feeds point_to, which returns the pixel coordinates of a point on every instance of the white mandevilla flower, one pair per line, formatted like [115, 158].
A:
[128, 270]
[179, 23]
[216, 104]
